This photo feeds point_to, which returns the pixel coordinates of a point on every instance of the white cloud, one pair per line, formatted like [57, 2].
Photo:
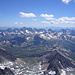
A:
[67, 22]
[72, 22]
[51, 22]
[22, 14]
[45, 22]
[66, 1]
[34, 19]
[21, 23]
[46, 16]
[51, 17]
[62, 20]
[66, 18]
[58, 22]
[16, 22]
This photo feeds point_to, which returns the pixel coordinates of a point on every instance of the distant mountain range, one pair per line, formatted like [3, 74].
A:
[36, 42]
[55, 49]
[46, 28]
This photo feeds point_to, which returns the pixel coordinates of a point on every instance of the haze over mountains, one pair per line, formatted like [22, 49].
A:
[45, 51]
[46, 28]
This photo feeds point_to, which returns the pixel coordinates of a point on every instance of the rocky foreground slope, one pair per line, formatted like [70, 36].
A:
[6, 71]
[54, 63]
[58, 62]
[6, 57]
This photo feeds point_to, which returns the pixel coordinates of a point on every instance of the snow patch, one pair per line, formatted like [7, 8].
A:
[42, 36]
[60, 33]
[36, 32]
[52, 72]
[27, 31]
[63, 72]
[28, 38]
[22, 32]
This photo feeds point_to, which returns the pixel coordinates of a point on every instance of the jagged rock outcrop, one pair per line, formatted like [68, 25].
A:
[6, 71]
[58, 61]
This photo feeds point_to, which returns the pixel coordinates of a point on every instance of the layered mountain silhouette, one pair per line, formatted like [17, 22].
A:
[58, 61]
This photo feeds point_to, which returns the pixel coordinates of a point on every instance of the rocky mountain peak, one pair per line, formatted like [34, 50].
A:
[58, 61]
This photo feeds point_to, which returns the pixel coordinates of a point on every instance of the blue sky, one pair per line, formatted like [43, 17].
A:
[37, 13]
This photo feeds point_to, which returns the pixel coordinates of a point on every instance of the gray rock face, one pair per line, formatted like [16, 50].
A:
[5, 55]
[58, 61]
[6, 71]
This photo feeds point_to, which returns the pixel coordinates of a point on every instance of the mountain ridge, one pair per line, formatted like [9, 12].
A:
[36, 40]
[58, 61]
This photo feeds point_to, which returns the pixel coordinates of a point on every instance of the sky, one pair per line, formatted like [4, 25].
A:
[37, 13]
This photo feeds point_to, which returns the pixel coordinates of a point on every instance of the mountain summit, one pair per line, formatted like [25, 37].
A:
[58, 61]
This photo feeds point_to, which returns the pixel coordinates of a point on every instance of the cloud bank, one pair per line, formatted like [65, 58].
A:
[29, 15]
[66, 1]
[48, 17]
[67, 20]
[18, 23]
[53, 20]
